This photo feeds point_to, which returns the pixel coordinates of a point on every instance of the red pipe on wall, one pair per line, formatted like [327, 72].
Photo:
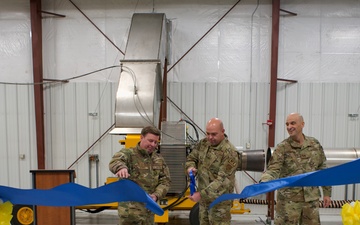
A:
[36, 38]
[273, 89]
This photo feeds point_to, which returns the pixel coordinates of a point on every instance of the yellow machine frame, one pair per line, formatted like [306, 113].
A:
[131, 140]
[185, 204]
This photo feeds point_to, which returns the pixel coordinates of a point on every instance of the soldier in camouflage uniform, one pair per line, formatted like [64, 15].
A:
[296, 155]
[148, 169]
[214, 160]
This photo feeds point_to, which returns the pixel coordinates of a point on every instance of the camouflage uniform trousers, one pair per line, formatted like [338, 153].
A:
[134, 213]
[294, 213]
[217, 215]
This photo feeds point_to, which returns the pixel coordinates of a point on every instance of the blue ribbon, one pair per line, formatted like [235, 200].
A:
[192, 183]
[72, 194]
[346, 173]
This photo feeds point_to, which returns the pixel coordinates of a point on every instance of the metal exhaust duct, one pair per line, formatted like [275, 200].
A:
[139, 92]
[253, 160]
[336, 156]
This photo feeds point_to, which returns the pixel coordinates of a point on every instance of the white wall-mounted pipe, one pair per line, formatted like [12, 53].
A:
[337, 156]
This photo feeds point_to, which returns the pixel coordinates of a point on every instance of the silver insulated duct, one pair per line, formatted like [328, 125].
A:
[139, 93]
[336, 156]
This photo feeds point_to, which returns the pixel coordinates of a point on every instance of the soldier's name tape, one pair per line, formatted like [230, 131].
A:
[72, 194]
[337, 175]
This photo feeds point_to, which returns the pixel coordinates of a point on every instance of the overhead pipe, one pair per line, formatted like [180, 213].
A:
[53, 14]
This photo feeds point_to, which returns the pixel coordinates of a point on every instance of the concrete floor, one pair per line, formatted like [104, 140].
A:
[107, 217]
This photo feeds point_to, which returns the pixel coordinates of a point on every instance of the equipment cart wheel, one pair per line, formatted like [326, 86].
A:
[22, 215]
[194, 215]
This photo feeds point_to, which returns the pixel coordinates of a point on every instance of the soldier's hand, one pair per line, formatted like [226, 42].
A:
[123, 173]
[327, 201]
[191, 169]
[153, 197]
[196, 197]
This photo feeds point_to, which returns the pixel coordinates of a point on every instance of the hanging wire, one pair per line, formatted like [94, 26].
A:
[62, 80]
[196, 132]
[138, 102]
[96, 27]
[198, 41]
[183, 113]
[136, 98]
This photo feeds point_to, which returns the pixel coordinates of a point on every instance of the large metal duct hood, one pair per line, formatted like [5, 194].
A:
[139, 92]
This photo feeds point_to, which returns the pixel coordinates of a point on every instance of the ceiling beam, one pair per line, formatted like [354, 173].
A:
[273, 89]
[36, 38]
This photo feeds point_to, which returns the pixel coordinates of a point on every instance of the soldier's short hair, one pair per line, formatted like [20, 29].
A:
[151, 130]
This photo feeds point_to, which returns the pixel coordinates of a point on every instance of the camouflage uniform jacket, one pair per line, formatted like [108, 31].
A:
[149, 171]
[289, 159]
[216, 167]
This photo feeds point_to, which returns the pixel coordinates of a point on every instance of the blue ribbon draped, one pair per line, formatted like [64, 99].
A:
[338, 175]
[192, 184]
[72, 194]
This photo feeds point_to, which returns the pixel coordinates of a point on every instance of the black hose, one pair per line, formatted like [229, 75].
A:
[333, 204]
[179, 200]
[196, 132]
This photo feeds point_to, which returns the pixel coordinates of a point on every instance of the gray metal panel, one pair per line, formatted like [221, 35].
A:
[139, 95]
[147, 32]
[173, 133]
[175, 158]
